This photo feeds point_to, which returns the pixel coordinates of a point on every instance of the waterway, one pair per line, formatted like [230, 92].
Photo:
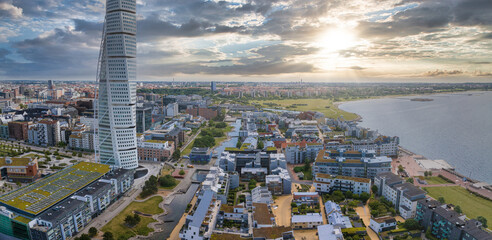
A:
[455, 127]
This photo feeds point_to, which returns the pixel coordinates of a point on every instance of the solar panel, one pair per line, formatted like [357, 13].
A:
[28, 199]
[36, 195]
[50, 188]
[72, 177]
[61, 182]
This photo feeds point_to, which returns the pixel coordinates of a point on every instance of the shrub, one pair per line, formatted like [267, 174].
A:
[182, 172]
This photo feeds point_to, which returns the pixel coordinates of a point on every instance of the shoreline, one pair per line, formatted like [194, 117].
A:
[359, 119]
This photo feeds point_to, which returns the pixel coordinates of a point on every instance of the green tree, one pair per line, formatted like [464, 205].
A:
[337, 196]
[374, 189]
[348, 194]
[108, 236]
[92, 232]
[411, 224]
[458, 209]
[410, 180]
[167, 181]
[80, 154]
[260, 145]
[84, 237]
[238, 144]
[401, 169]
[176, 155]
[441, 200]
[483, 221]
[364, 197]
[182, 172]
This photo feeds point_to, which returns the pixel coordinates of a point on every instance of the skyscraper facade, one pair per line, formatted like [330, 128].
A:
[117, 88]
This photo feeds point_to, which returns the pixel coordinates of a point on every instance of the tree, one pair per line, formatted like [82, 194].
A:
[458, 209]
[80, 154]
[441, 200]
[426, 174]
[182, 172]
[364, 197]
[92, 232]
[238, 144]
[260, 145]
[293, 205]
[84, 237]
[167, 181]
[483, 221]
[401, 169]
[176, 155]
[411, 224]
[410, 180]
[374, 189]
[348, 194]
[337, 196]
[108, 236]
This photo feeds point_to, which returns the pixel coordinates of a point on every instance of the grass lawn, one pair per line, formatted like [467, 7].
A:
[324, 106]
[436, 180]
[120, 230]
[471, 205]
[187, 150]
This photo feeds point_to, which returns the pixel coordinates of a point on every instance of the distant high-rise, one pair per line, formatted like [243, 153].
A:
[50, 85]
[213, 87]
[117, 88]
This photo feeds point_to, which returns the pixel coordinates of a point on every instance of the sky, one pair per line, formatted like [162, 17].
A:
[257, 40]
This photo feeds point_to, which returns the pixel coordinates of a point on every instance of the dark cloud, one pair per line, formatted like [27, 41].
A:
[271, 60]
[442, 73]
[358, 68]
[152, 28]
[431, 16]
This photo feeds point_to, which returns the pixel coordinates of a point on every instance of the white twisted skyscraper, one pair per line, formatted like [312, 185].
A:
[117, 89]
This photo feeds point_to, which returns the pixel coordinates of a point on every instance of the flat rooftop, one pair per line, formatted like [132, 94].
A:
[44, 193]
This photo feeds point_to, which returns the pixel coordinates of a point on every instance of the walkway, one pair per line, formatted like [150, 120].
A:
[366, 218]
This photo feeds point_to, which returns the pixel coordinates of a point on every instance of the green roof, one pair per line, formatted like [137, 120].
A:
[42, 194]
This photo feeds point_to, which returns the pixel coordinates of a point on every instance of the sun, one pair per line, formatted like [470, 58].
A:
[334, 40]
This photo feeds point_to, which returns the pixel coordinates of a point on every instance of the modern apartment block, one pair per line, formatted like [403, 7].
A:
[45, 132]
[61, 205]
[18, 130]
[326, 183]
[445, 223]
[296, 153]
[154, 150]
[117, 89]
[402, 194]
[201, 221]
[351, 163]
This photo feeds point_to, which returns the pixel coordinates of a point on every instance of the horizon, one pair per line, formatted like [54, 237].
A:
[258, 41]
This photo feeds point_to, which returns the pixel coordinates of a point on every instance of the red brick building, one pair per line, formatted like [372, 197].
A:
[19, 169]
[18, 130]
[206, 113]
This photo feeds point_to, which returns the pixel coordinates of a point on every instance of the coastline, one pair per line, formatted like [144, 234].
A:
[359, 119]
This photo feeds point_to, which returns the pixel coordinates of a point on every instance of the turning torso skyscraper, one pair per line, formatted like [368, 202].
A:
[117, 90]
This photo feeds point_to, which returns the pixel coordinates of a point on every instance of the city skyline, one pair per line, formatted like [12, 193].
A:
[258, 40]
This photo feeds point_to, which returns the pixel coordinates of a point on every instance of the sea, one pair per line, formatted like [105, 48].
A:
[456, 127]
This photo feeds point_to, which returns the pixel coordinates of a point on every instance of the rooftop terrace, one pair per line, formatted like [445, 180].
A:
[40, 195]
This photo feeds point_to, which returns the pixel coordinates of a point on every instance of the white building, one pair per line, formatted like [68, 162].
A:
[403, 195]
[335, 216]
[382, 224]
[172, 110]
[261, 195]
[310, 220]
[326, 183]
[200, 223]
[295, 154]
[46, 133]
[329, 232]
[117, 89]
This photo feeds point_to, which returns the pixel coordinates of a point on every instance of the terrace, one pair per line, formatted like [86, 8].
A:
[39, 196]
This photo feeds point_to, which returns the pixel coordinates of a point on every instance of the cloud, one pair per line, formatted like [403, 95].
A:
[442, 73]
[7, 10]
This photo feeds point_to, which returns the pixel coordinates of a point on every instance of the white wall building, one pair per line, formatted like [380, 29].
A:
[172, 110]
[382, 224]
[117, 89]
[325, 183]
[402, 194]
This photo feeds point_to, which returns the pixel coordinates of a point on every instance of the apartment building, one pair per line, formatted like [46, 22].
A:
[402, 194]
[296, 153]
[154, 150]
[326, 183]
[351, 163]
[445, 223]
[201, 221]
